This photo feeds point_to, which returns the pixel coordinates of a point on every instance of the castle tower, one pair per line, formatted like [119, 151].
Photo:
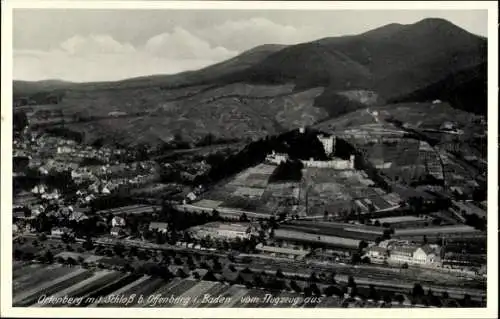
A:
[351, 161]
[327, 142]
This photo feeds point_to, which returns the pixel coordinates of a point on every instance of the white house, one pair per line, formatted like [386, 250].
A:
[191, 196]
[377, 253]
[424, 255]
[118, 221]
[60, 231]
[276, 158]
[64, 149]
[158, 226]
[116, 231]
[412, 254]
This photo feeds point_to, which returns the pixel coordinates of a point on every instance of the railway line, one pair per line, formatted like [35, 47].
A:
[390, 278]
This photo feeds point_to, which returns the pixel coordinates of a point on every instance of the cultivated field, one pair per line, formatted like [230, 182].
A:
[338, 192]
[250, 191]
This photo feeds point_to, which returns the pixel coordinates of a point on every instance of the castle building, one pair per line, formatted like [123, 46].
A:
[328, 143]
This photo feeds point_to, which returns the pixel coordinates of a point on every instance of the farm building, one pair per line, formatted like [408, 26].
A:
[414, 254]
[298, 237]
[158, 226]
[116, 231]
[61, 231]
[276, 158]
[223, 230]
[118, 222]
[296, 254]
[377, 253]
[130, 209]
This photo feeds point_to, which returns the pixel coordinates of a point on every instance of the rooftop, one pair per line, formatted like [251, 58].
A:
[225, 226]
[281, 250]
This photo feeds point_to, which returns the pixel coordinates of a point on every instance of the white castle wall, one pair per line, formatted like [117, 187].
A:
[333, 164]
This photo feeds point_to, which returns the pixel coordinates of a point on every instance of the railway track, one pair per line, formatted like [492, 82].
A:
[391, 278]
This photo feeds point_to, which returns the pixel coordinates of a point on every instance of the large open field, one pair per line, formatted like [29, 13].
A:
[338, 192]
[321, 189]
[249, 191]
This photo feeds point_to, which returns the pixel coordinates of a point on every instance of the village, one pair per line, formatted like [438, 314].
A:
[332, 212]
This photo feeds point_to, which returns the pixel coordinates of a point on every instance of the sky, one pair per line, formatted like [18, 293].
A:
[83, 45]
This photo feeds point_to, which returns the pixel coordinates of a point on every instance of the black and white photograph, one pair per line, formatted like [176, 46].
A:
[249, 159]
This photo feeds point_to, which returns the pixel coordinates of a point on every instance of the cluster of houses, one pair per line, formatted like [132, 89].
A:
[404, 252]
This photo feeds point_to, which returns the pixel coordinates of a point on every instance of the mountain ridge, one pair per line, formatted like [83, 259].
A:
[430, 59]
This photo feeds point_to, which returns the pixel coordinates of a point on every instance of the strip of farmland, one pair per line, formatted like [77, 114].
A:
[162, 290]
[42, 275]
[197, 291]
[110, 287]
[235, 293]
[177, 291]
[29, 297]
[122, 291]
[72, 291]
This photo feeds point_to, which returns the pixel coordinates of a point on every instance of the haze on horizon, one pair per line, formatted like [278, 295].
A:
[104, 45]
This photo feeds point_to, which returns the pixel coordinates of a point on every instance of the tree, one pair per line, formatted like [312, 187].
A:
[279, 274]
[399, 298]
[373, 294]
[331, 290]
[307, 292]
[377, 223]
[19, 121]
[387, 299]
[119, 249]
[313, 277]
[351, 282]
[295, 286]
[387, 234]
[48, 257]
[417, 290]
[466, 301]
[332, 277]
[356, 258]
[244, 217]
[215, 215]
[425, 240]
[314, 289]
[246, 270]
[88, 245]
[70, 261]
[362, 245]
